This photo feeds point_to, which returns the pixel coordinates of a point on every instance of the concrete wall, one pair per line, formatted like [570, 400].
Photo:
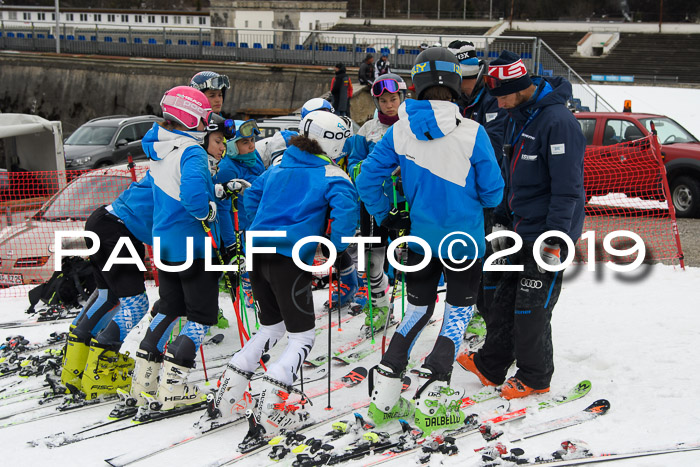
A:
[76, 89]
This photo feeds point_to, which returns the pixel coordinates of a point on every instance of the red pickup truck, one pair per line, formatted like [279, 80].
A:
[680, 150]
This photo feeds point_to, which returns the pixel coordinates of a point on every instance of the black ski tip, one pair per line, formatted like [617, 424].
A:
[406, 383]
[355, 376]
[599, 407]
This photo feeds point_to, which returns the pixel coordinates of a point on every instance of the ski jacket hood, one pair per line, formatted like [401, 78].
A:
[159, 142]
[448, 172]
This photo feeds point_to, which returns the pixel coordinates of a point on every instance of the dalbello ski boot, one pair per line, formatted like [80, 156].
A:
[74, 359]
[385, 392]
[273, 411]
[106, 371]
[173, 389]
[379, 314]
[437, 404]
[230, 400]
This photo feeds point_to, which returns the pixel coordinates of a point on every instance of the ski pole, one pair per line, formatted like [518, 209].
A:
[204, 364]
[330, 319]
[241, 331]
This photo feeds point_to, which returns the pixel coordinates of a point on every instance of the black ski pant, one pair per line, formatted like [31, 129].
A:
[125, 280]
[518, 327]
[283, 291]
[193, 293]
[421, 287]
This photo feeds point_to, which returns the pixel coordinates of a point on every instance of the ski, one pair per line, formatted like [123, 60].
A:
[352, 378]
[298, 433]
[596, 409]
[578, 453]
[402, 448]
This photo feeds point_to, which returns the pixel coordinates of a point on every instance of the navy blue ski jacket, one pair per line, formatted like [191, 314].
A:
[484, 110]
[544, 172]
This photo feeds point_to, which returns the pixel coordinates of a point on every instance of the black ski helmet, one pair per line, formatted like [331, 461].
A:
[436, 66]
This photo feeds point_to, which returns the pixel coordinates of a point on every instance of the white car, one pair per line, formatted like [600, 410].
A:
[26, 249]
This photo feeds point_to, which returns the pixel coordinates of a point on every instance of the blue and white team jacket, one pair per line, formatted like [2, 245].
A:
[182, 189]
[448, 170]
[296, 196]
[230, 169]
[135, 208]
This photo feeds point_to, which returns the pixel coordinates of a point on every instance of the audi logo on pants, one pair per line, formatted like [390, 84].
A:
[531, 283]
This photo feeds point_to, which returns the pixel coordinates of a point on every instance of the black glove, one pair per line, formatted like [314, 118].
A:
[397, 221]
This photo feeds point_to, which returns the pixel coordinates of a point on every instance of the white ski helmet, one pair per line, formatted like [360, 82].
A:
[328, 130]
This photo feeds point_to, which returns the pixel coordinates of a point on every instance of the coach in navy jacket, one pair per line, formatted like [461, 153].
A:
[543, 170]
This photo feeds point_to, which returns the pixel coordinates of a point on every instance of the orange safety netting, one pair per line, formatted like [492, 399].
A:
[626, 189]
[34, 205]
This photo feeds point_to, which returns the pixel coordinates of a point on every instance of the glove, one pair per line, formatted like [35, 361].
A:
[550, 254]
[230, 188]
[500, 243]
[211, 216]
[397, 221]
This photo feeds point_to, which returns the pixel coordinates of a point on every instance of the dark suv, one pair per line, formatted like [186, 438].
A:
[107, 140]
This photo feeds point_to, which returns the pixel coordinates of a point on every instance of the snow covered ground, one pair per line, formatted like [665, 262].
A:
[632, 335]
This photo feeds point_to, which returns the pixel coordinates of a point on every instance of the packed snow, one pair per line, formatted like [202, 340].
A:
[632, 335]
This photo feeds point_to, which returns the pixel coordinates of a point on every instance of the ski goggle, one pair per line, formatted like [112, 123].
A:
[492, 82]
[215, 82]
[216, 122]
[247, 129]
[389, 85]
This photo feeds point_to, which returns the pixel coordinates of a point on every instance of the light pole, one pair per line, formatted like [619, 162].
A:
[58, 30]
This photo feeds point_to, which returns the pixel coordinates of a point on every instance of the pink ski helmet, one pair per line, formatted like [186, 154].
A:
[185, 105]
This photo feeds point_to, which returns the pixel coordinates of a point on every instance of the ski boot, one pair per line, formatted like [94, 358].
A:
[348, 288]
[273, 411]
[74, 359]
[379, 315]
[385, 391]
[230, 400]
[106, 371]
[437, 404]
[173, 390]
[359, 301]
[144, 380]
[222, 321]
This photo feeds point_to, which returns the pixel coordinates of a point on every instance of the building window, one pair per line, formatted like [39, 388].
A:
[69, 16]
[98, 17]
[163, 19]
[83, 17]
[188, 19]
[246, 23]
[151, 19]
[41, 16]
[111, 18]
[259, 24]
[177, 20]
[53, 16]
[27, 16]
[125, 18]
[138, 18]
[202, 20]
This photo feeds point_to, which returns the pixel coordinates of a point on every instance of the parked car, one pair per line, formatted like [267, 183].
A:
[270, 126]
[27, 248]
[107, 141]
[680, 150]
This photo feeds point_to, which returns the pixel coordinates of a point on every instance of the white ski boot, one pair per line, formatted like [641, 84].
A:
[173, 389]
[385, 392]
[230, 401]
[272, 410]
[437, 404]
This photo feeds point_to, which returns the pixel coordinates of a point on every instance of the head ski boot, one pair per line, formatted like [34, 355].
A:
[173, 388]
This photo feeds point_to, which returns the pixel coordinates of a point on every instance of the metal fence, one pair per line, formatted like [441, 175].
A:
[283, 46]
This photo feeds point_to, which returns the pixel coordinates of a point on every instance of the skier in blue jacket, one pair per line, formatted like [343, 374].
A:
[543, 169]
[449, 174]
[388, 92]
[93, 363]
[184, 202]
[296, 197]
